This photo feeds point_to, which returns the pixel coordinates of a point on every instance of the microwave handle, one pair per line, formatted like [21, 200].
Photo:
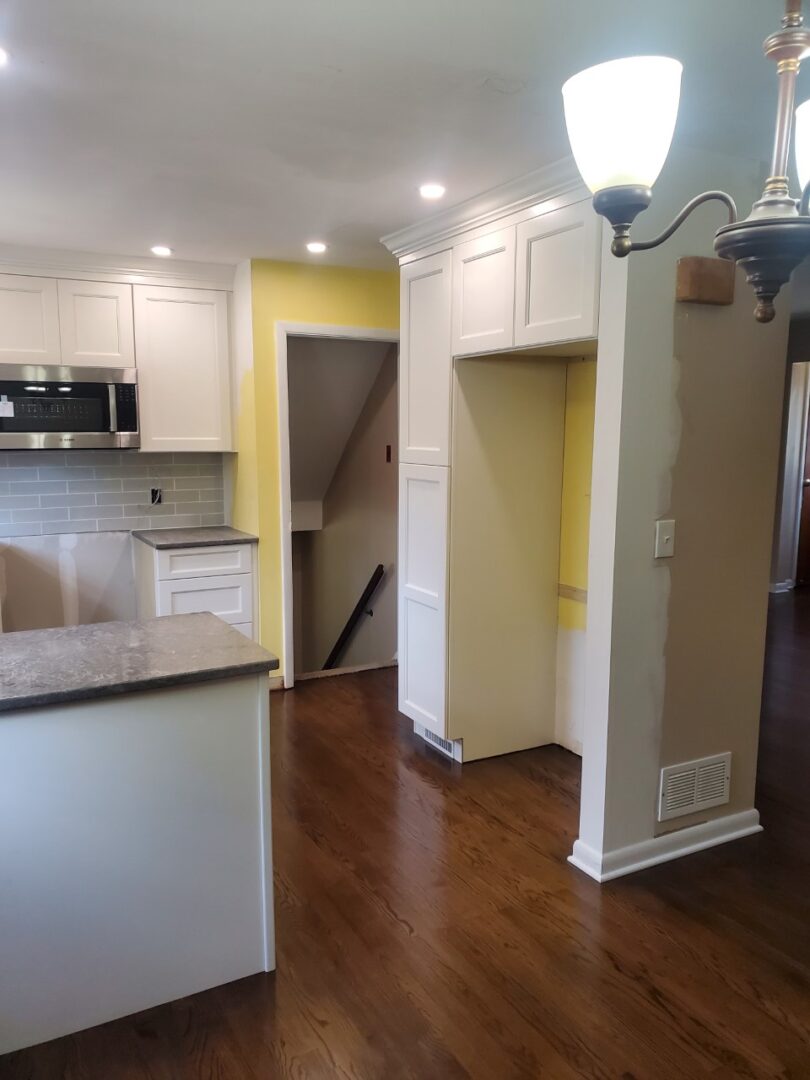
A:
[113, 408]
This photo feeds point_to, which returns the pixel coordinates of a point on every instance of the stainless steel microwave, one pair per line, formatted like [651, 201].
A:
[66, 408]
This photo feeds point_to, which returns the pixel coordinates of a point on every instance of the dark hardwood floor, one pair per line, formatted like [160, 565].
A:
[430, 928]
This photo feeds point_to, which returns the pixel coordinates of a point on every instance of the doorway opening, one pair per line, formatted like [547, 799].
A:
[790, 565]
[783, 798]
[339, 427]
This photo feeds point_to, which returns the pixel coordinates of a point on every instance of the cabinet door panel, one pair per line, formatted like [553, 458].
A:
[557, 286]
[175, 563]
[230, 597]
[29, 320]
[181, 340]
[425, 361]
[423, 504]
[484, 293]
[96, 324]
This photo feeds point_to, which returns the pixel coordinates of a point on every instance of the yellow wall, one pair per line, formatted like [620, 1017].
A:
[580, 402]
[290, 292]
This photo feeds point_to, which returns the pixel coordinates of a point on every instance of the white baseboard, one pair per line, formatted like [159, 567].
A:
[345, 670]
[674, 845]
[782, 586]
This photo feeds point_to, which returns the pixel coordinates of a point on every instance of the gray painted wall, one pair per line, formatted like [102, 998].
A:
[66, 580]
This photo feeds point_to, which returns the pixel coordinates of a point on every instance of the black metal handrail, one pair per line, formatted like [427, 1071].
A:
[355, 617]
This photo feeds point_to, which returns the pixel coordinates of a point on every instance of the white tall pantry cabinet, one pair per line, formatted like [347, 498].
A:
[425, 383]
[425, 361]
[528, 281]
[422, 569]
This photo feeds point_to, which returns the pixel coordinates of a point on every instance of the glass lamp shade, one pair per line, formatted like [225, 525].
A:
[621, 117]
[802, 137]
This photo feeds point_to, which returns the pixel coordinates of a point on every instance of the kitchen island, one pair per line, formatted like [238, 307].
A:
[135, 844]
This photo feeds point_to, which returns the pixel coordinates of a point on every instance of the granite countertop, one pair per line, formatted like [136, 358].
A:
[74, 663]
[196, 536]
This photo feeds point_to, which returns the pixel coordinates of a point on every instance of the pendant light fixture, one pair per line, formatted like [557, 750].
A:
[621, 161]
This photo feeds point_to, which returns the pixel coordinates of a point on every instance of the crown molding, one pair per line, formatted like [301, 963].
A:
[81, 265]
[559, 179]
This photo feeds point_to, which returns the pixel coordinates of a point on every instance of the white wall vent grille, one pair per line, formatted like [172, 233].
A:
[452, 748]
[437, 740]
[694, 785]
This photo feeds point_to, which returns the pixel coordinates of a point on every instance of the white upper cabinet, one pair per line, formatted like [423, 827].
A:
[557, 284]
[422, 576]
[484, 293]
[29, 320]
[181, 341]
[96, 324]
[425, 361]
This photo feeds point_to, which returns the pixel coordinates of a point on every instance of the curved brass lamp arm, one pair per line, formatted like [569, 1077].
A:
[804, 203]
[707, 196]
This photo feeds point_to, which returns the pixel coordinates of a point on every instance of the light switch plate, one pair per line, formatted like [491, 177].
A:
[664, 539]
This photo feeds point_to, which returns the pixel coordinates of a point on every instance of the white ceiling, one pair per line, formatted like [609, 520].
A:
[235, 128]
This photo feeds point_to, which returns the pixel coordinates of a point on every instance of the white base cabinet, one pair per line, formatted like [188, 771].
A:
[135, 841]
[183, 581]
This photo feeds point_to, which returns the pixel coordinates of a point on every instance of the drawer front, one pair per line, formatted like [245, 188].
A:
[198, 562]
[229, 596]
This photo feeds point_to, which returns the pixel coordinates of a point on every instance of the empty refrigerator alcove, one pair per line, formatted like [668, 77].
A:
[519, 518]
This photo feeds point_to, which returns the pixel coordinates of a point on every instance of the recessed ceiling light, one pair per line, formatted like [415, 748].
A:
[432, 191]
[162, 251]
[3, 57]
[316, 247]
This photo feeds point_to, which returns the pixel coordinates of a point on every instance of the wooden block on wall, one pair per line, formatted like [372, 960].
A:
[701, 280]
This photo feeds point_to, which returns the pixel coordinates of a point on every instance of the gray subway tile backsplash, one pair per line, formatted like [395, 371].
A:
[65, 472]
[11, 473]
[26, 529]
[38, 487]
[51, 514]
[50, 527]
[196, 482]
[46, 492]
[76, 486]
[64, 501]
[18, 502]
[88, 513]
